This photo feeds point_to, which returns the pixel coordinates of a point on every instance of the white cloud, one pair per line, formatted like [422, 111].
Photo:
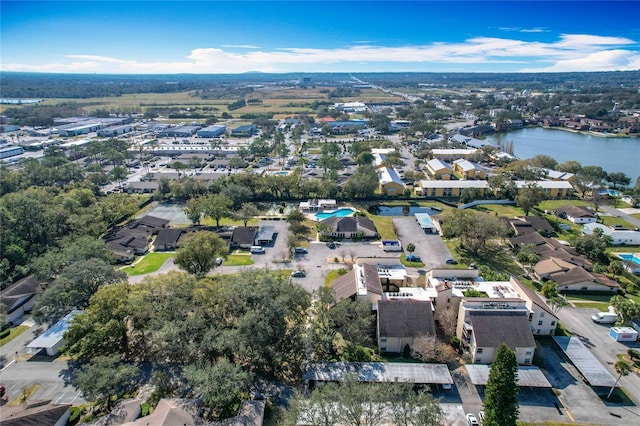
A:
[575, 52]
[535, 30]
[607, 60]
[241, 46]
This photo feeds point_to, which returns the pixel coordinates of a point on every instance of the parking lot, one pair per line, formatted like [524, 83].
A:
[429, 247]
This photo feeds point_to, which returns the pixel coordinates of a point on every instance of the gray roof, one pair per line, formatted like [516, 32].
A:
[405, 318]
[349, 223]
[244, 235]
[346, 286]
[379, 372]
[33, 413]
[528, 376]
[265, 233]
[168, 236]
[574, 211]
[17, 294]
[584, 360]
[491, 328]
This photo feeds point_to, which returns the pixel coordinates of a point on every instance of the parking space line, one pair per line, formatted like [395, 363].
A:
[566, 409]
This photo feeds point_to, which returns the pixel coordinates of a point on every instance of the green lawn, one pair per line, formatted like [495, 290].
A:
[15, 332]
[506, 210]
[150, 263]
[554, 204]
[498, 258]
[238, 259]
[611, 220]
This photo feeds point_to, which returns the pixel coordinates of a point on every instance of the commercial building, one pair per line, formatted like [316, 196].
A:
[212, 131]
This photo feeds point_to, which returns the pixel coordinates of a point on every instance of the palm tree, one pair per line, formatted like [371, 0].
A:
[623, 369]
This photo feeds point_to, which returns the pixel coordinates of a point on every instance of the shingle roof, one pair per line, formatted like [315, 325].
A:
[574, 211]
[345, 285]
[152, 221]
[16, 294]
[405, 318]
[532, 295]
[168, 236]
[34, 413]
[491, 328]
[244, 235]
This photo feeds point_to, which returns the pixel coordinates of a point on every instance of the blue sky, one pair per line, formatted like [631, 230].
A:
[318, 36]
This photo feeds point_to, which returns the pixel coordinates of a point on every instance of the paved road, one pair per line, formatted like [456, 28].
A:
[50, 375]
[430, 247]
[596, 338]
[618, 213]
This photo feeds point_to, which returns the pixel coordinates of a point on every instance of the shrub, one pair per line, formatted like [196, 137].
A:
[341, 271]
[74, 415]
[144, 409]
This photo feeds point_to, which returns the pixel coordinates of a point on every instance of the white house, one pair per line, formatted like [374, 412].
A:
[618, 235]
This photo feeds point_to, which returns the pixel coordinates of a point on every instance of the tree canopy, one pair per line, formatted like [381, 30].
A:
[198, 253]
[501, 395]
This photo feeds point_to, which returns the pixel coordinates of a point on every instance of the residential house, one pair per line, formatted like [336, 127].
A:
[618, 235]
[485, 328]
[35, 412]
[466, 169]
[18, 298]
[438, 169]
[389, 182]
[576, 214]
[400, 322]
[451, 154]
[174, 411]
[317, 205]
[167, 239]
[349, 227]
[449, 188]
[250, 413]
[542, 319]
[362, 282]
[577, 279]
[243, 237]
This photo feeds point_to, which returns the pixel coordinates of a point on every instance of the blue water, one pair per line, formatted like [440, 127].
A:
[400, 210]
[630, 257]
[339, 213]
[612, 154]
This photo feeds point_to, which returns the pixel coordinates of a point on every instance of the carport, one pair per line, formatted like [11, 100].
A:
[265, 235]
[426, 223]
[53, 339]
[416, 373]
[591, 369]
[528, 376]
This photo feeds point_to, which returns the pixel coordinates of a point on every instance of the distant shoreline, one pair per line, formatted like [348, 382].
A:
[588, 132]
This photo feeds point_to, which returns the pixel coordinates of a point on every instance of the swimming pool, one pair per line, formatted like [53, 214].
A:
[279, 173]
[629, 256]
[341, 212]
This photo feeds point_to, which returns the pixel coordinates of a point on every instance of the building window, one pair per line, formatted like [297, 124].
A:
[479, 350]
[383, 348]
[528, 352]
[538, 331]
[584, 288]
[478, 360]
[553, 323]
[527, 360]
[541, 314]
[383, 339]
[540, 322]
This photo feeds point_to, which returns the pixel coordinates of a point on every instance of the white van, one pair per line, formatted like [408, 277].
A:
[605, 317]
[257, 250]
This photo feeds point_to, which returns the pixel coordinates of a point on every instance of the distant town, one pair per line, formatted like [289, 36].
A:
[292, 249]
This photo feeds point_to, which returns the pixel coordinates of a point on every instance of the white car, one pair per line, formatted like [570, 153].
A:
[471, 420]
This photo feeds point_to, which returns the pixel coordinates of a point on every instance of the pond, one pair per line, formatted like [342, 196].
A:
[381, 210]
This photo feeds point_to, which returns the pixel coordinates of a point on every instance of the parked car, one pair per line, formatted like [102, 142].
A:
[472, 420]
[219, 261]
[257, 250]
[298, 274]
[450, 261]
[481, 415]
[412, 258]
[300, 250]
[331, 245]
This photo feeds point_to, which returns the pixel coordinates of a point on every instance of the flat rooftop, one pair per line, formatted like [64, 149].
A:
[379, 372]
[588, 365]
[528, 376]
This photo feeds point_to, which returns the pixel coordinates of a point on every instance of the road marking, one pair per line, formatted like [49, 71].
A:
[7, 366]
[566, 409]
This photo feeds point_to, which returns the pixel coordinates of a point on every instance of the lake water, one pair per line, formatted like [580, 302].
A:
[612, 154]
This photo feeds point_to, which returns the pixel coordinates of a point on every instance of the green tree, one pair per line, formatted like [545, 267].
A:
[362, 184]
[411, 408]
[618, 179]
[475, 229]
[501, 395]
[623, 369]
[625, 308]
[529, 197]
[549, 289]
[197, 255]
[247, 212]
[217, 207]
[365, 158]
[194, 210]
[103, 377]
[73, 288]
[593, 246]
[615, 267]
[411, 247]
[222, 386]
[468, 195]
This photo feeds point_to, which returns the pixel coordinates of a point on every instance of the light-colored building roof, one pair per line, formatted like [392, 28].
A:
[528, 376]
[452, 151]
[584, 360]
[379, 372]
[424, 220]
[389, 175]
[54, 334]
[454, 183]
[436, 164]
[465, 165]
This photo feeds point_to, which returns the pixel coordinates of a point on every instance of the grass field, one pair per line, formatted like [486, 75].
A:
[238, 259]
[150, 263]
[15, 332]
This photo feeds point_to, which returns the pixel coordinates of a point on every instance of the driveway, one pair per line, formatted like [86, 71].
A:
[596, 338]
[430, 247]
[320, 260]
